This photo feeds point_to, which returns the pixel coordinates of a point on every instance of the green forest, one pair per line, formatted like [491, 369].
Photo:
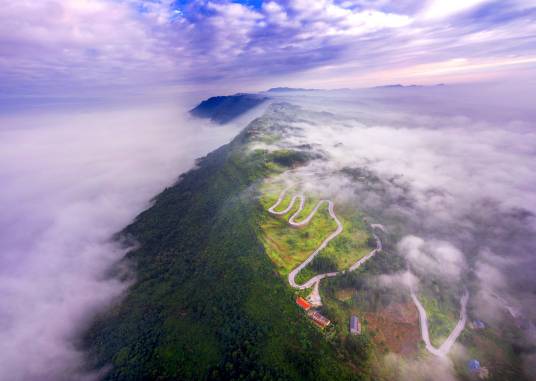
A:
[209, 297]
[207, 302]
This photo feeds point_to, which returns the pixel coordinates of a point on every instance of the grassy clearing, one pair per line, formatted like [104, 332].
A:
[270, 193]
[344, 294]
[351, 245]
[288, 246]
[347, 248]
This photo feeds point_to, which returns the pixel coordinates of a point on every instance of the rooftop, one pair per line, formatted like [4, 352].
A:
[303, 303]
[319, 319]
[473, 365]
[355, 325]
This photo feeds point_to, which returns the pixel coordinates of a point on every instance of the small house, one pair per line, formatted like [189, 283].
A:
[304, 304]
[473, 365]
[355, 325]
[478, 324]
[319, 319]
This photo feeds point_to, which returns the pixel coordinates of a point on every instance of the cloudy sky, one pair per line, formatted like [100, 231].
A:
[66, 47]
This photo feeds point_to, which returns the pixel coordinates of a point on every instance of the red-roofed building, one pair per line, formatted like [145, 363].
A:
[303, 303]
[319, 319]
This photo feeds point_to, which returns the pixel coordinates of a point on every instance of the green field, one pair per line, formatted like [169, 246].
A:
[352, 244]
[288, 246]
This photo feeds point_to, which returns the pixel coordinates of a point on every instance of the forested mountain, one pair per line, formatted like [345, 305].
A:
[207, 302]
[223, 109]
[254, 263]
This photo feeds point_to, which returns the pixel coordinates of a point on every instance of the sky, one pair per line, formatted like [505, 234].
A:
[92, 124]
[97, 48]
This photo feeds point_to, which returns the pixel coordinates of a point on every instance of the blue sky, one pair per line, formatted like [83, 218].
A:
[77, 46]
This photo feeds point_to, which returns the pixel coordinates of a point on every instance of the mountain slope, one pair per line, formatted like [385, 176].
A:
[223, 109]
[207, 303]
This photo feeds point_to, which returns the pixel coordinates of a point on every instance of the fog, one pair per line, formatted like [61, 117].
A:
[453, 178]
[70, 180]
[448, 170]
[437, 258]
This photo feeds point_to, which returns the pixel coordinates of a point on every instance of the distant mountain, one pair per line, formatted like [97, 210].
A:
[223, 109]
[395, 86]
[399, 86]
[287, 89]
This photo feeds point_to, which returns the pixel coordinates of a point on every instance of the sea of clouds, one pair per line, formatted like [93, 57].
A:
[447, 169]
[69, 181]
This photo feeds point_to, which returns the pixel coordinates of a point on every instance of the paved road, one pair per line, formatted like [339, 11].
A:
[292, 221]
[445, 348]
[442, 351]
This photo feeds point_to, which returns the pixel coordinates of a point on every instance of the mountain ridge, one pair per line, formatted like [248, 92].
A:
[226, 108]
[207, 304]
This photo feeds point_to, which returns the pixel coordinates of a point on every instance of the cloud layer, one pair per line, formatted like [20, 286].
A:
[69, 182]
[71, 46]
[449, 172]
[436, 258]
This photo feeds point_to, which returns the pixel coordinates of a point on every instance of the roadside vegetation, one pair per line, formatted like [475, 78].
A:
[288, 246]
[442, 305]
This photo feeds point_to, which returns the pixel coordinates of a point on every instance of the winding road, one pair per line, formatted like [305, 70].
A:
[292, 221]
[444, 349]
[314, 282]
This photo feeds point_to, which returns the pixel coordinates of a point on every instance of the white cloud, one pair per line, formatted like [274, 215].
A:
[398, 281]
[232, 27]
[69, 182]
[328, 18]
[64, 44]
[433, 258]
[276, 14]
[84, 42]
[438, 9]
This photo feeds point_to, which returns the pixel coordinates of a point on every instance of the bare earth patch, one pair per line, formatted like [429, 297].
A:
[396, 327]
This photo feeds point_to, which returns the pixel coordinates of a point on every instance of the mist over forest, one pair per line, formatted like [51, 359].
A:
[70, 181]
[267, 190]
[455, 184]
